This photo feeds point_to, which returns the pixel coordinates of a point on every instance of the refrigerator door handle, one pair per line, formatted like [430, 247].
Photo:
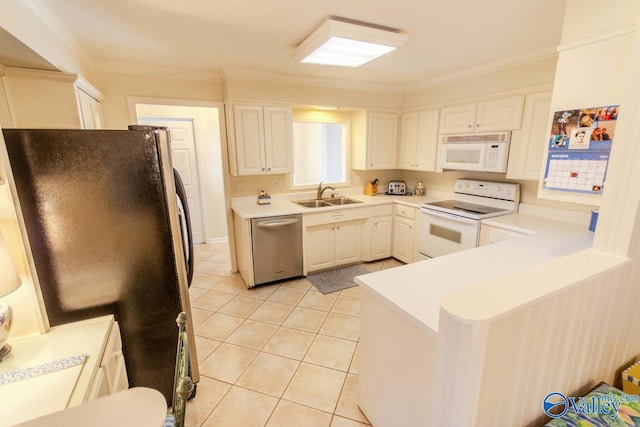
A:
[187, 235]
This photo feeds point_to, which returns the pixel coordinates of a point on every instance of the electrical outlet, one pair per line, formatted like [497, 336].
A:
[237, 186]
[277, 184]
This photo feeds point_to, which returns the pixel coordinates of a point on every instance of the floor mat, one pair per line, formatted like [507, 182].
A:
[336, 280]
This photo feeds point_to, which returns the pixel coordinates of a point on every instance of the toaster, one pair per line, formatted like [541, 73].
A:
[397, 187]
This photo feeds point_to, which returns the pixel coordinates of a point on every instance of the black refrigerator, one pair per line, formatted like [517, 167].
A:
[106, 230]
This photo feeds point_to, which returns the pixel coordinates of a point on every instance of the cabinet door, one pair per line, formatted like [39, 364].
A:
[403, 237]
[427, 143]
[382, 232]
[382, 140]
[407, 150]
[499, 114]
[458, 118]
[319, 252]
[490, 235]
[278, 139]
[347, 242]
[527, 144]
[249, 139]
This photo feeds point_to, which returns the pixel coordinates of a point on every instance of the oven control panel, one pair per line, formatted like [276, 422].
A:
[493, 189]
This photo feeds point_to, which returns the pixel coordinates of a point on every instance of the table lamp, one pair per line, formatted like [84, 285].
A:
[9, 282]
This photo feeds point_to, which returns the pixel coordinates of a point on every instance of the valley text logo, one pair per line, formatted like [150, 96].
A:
[557, 404]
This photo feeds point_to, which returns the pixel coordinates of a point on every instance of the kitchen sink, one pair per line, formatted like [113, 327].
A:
[323, 203]
[313, 203]
[342, 201]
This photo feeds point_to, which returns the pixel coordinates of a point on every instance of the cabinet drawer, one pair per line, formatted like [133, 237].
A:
[384, 210]
[112, 362]
[405, 211]
[338, 215]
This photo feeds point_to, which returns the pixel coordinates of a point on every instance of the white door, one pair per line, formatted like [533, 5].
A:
[183, 154]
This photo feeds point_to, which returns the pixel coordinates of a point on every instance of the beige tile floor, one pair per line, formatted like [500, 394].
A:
[275, 355]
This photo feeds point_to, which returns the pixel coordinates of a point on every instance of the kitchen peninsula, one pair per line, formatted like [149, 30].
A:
[402, 310]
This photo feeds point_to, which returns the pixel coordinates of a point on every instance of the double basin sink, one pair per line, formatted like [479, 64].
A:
[323, 203]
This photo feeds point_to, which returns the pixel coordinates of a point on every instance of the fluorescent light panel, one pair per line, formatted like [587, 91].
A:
[348, 44]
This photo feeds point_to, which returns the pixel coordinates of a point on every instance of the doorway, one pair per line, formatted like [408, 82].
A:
[196, 149]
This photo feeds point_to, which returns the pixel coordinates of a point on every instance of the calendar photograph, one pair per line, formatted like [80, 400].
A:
[579, 148]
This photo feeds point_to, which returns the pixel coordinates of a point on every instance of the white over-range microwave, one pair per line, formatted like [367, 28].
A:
[486, 152]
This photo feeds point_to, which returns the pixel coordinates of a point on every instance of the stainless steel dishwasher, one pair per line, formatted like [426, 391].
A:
[277, 247]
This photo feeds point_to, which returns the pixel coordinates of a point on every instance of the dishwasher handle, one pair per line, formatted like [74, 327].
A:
[277, 223]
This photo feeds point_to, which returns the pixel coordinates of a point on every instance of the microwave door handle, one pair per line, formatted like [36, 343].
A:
[448, 216]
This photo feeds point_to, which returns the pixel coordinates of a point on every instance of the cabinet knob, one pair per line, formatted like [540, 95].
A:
[477, 125]
[269, 169]
[262, 169]
[469, 126]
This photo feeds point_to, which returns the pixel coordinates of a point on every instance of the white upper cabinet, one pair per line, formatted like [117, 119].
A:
[483, 116]
[260, 139]
[528, 143]
[374, 139]
[418, 140]
[50, 99]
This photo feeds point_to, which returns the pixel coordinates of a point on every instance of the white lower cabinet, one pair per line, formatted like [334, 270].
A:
[404, 233]
[381, 238]
[490, 234]
[333, 244]
[335, 238]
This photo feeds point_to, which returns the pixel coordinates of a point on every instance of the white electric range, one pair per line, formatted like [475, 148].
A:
[454, 225]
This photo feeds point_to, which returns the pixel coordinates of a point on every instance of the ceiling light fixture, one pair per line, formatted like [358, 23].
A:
[348, 43]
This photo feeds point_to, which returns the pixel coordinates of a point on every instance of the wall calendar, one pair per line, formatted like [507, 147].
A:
[579, 149]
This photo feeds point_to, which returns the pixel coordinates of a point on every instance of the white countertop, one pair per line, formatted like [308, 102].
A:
[416, 290]
[134, 407]
[281, 204]
[55, 391]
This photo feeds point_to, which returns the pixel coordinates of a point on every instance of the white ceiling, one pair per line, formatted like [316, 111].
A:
[448, 38]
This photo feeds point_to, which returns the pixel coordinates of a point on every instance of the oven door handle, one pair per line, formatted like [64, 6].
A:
[448, 216]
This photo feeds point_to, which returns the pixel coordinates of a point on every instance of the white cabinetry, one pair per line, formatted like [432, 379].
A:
[381, 232]
[490, 234]
[483, 116]
[374, 139]
[404, 233]
[333, 244]
[418, 140]
[49, 99]
[112, 375]
[102, 373]
[334, 238]
[243, 242]
[260, 139]
[528, 143]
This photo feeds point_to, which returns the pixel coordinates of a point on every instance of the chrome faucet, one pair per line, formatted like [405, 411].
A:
[322, 190]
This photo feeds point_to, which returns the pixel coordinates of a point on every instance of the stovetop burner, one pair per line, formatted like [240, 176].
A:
[479, 199]
[456, 205]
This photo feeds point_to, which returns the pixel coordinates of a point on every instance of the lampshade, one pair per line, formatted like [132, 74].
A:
[348, 43]
[9, 279]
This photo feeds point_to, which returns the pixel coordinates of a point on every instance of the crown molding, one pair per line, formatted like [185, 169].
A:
[480, 70]
[232, 73]
[157, 71]
[48, 17]
[596, 39]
